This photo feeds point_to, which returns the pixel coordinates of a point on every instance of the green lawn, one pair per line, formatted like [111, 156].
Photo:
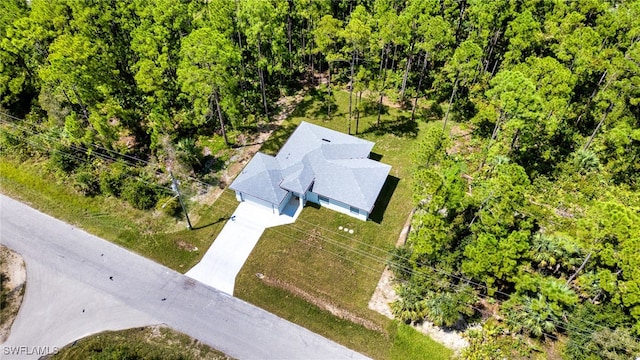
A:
[338, 268]
[148, 233]
[311, 255]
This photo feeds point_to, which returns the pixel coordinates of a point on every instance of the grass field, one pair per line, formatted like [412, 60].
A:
[153, 342]
[337, 268]
[148, 233]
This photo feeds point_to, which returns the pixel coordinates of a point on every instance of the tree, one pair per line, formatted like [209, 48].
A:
[189, 153]
[356, 36]
[326, 36]
[206, 75]
[155, 42]
[612, 232]
[436, 40]
[77, 72]
[14, 72]
[462, 69]
[261, 24]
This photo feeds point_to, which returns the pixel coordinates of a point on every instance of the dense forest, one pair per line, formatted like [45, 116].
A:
[526, 193]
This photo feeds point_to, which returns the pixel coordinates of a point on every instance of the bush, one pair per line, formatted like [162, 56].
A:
[64, 158]
[86, 182]
[113, 178]
[169, 205]
[139, 194]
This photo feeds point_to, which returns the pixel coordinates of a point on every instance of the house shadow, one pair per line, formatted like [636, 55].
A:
[384, 198]
[375, 156]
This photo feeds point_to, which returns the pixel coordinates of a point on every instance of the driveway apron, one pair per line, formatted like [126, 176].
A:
[228, 253]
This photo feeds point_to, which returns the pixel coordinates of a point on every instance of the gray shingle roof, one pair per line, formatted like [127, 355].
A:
[336, 165]
[261, 178]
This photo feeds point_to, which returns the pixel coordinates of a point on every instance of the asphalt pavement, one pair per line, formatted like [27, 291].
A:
[78, 284]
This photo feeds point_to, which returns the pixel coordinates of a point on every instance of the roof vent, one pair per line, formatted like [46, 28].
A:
[327, 140]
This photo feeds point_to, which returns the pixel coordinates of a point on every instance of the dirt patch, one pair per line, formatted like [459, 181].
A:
[181, 244]
[385, 294]
[249, 147]
[321, 303]
[314, 239]
[461, 141]
[13, 279]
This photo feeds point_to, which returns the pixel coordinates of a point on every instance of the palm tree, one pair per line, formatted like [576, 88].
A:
[411, 307]
[586, 161]
[189, 153]
[533, 316]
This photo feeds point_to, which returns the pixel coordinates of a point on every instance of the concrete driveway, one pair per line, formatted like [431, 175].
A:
[228, 253]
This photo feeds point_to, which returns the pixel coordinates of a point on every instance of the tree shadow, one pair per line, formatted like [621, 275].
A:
[278, 138]
[403, 126]
[384, 198]
[306, 105]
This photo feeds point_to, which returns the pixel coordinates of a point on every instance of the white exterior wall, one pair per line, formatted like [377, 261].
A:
[284, 202]
[337, 206]
[244, 197]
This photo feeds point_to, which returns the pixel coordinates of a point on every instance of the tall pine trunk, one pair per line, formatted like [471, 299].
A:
[358, 103]
[262, 84]
[383, 75]
[406, 72]
[85, 112]
[289, 38]
[595, 131]
[593, 94]
[453, 94]
[329, 90]
[494, 134]
[415, 100]
[353, 59]
[220, 118]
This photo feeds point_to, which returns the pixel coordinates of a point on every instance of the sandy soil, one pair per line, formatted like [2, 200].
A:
[250, 147]
[386, 294]
[12, 265]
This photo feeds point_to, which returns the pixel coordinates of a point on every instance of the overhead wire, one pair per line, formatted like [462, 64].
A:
[380, 259]
[562, 325]
[86, 152]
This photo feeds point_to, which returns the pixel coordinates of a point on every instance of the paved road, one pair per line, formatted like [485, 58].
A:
[69, 270]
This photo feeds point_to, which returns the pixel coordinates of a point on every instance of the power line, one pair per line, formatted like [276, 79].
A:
[379, 259]
[561, 324]
[87, 153]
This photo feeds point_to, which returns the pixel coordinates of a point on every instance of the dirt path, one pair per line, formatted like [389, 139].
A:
[250, 146]
[14, 277]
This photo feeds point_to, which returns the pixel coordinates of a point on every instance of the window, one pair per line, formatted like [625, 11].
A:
[323, 199]
[354, 210]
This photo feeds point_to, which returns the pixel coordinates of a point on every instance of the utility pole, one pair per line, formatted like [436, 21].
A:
[174, 187]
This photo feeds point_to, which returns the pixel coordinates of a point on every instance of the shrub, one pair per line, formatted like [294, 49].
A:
[86, 182]
[139, 194]
[64, 158]
[113, 178]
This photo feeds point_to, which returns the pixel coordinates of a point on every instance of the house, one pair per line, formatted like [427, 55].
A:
[316, 164]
